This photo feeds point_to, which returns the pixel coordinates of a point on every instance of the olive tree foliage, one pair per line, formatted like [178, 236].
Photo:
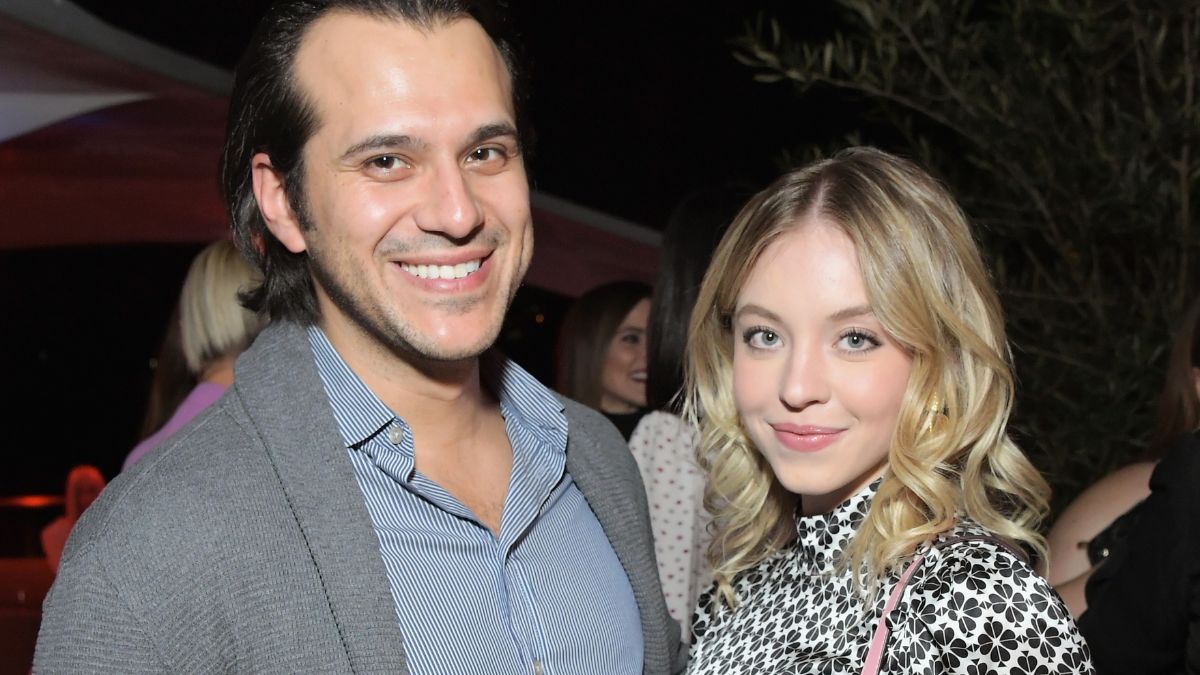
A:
[1067, 129]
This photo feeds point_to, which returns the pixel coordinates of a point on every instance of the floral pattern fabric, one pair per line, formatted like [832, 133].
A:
[664, 446]
[972, 608]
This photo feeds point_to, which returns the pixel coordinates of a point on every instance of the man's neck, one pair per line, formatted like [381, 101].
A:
[442, 402]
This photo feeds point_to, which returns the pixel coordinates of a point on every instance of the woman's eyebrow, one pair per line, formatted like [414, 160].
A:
[851, 312]
[759, 310]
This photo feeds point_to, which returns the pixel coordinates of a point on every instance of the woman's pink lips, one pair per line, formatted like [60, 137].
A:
[805, 438]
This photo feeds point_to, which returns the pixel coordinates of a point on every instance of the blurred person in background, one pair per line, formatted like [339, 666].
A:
[84, 484]
[663, 444]
[1104, 514]
[602, 352]
[214, 328]
[1140, 609]
[172, 381]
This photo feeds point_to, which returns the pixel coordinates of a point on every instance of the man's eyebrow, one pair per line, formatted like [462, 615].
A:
[406, 142]
[383, 142]
[489, 131]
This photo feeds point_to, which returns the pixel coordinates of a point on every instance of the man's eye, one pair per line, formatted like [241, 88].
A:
[385, 162]
[488, 154]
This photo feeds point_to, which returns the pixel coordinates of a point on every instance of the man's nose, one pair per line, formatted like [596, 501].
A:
[805, 379]
[450, 207]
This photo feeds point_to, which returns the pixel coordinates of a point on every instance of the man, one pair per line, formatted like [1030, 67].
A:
[375, 493]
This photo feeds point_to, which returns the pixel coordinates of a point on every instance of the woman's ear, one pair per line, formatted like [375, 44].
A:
[273, 204]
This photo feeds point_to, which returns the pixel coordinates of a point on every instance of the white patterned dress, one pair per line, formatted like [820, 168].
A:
[972, 608]
[664, 446]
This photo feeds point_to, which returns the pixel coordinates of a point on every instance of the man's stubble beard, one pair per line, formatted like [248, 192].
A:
[398, 336]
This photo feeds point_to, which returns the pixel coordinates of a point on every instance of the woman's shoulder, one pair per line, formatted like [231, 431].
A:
[971, 578]
[658, 425]
[661, 437]
[970, 558]
[976, 592]
[968, 566]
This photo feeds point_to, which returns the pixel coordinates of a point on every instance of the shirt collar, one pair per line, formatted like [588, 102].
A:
[358, 411]
[360, 414]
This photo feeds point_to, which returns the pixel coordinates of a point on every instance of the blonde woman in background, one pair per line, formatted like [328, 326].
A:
[214, 329]
[849, 373]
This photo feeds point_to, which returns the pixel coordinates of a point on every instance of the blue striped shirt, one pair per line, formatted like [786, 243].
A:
[547, 595]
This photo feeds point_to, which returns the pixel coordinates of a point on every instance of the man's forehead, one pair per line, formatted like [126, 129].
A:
[346, 55]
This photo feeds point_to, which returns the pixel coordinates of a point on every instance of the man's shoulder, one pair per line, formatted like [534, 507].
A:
[190, 482]
[591, 433]
[588, 422]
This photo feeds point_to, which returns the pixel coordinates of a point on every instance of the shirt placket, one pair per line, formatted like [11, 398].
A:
[533, 481]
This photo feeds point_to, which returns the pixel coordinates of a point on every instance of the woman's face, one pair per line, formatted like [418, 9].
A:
[817, 381]
[623, 380]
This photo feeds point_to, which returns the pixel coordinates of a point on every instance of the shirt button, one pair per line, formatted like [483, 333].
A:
[537, 667]
[395, 435]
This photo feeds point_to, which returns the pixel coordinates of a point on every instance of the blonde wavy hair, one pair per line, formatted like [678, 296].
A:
[927, 284]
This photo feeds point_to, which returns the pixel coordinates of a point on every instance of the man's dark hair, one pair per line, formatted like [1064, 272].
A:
[268, 113]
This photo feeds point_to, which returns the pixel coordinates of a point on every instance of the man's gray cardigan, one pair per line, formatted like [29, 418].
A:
[243, 543]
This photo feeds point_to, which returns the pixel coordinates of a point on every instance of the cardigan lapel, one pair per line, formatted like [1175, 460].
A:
[278, 382]
[613, 495]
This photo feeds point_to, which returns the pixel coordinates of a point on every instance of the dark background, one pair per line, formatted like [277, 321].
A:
[634, 106]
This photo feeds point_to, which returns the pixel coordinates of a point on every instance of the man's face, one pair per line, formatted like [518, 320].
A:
[417, 221]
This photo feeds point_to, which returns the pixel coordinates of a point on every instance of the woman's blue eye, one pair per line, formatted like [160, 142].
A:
[858, 341]
[760, 338]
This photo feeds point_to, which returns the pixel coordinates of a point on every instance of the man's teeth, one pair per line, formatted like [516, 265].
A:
[441, 271]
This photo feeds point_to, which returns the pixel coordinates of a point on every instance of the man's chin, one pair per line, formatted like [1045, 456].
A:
[450, 346]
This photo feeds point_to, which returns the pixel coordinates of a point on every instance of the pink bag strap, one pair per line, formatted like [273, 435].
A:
[879, 639]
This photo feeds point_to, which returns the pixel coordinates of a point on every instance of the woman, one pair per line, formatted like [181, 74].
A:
[664, 444]
[850, 377]
[214, 328]
[602, 352]
[1097, 522]
[1143, 601]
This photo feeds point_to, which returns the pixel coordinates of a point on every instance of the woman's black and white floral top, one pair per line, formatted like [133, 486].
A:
[973, 607]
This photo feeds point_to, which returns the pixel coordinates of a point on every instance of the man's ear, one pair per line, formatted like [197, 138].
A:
[273, 204]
